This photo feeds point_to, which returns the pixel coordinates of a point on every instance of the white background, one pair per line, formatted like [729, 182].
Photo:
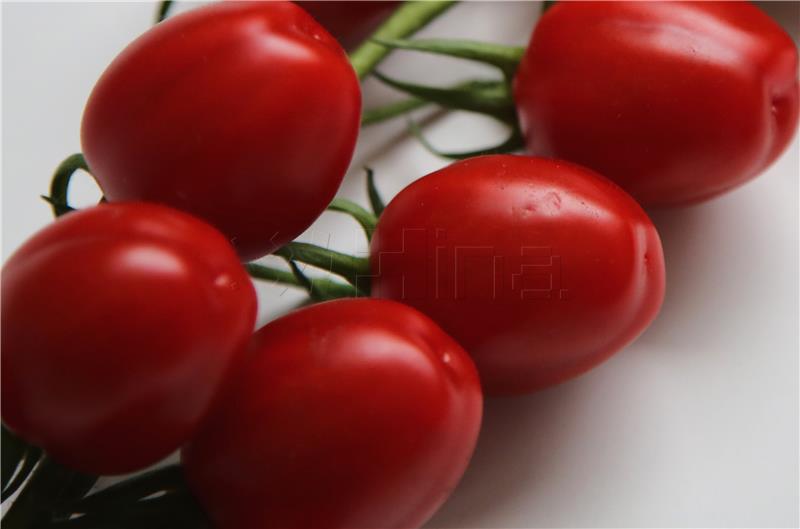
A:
[695, 424]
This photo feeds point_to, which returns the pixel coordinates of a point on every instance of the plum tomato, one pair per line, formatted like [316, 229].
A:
[349, 413]
[539, 268]
[119, 325]
[244, 114]
[675, 101]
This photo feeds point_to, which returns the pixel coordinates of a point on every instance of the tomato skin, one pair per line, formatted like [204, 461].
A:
[349, 413]
[677, 102]
[539, 268]
[351, 23]
[227, 112]
[119, 324]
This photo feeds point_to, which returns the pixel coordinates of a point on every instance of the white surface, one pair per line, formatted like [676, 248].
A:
[695, 424]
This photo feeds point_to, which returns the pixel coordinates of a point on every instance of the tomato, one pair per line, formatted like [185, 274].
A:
[242, 113]
[675, 101]
[351, 23]
[349, 413]
[119, 323]
[539, 268]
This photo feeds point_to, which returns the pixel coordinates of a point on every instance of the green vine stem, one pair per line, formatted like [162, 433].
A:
[405, 21]
[505, 58]
[326, 288]
[353, 269]
[59, 185]
[513, 143]
[375, 201]
[365, 219]
[375, 115]
[163, 10]
[492, 98]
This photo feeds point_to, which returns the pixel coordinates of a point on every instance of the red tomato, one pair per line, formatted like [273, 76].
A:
[119, 323]
[675, 101]
[540, 269]
[351, 23]
[242, 113]
[350, 413]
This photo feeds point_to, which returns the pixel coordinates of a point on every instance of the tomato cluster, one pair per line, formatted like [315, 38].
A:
[221, 134]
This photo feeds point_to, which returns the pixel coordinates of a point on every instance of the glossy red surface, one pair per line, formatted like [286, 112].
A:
[242, 113]
[675, 101]
[540, 269]
[351, 23]
[119, 323]
[350, 413]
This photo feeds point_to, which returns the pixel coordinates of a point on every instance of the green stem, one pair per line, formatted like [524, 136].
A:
[59, 185]
[163, 10]
[354, 269]
[375, 200]
[50, 487]
[392, 110]
[506, 58]
[513, 143]
[365, 219]
[405, 21]
[375, 115]
[492, 98]
[326, 288]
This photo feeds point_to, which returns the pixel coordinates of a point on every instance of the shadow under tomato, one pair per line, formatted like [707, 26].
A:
[516, 456]
[727, 267]
[684, 233]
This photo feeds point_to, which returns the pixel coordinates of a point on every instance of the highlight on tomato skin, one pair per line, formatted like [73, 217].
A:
[119, 325]
[227, 112]
[348, 413]
[677, 102]
[539, 268]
